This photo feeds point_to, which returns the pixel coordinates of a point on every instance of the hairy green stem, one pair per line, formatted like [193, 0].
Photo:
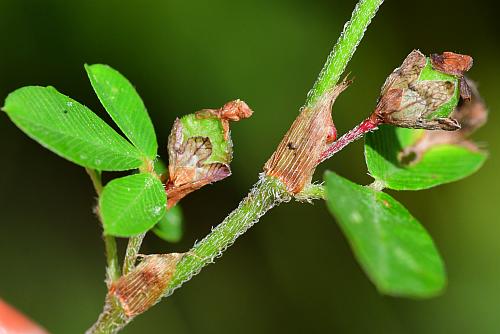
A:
[95, 177]
[311, 192]
[343, 50]
[111, 320]
[133, 247]
[267, 193]
[112, 267]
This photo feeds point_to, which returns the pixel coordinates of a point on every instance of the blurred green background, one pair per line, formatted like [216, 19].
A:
[293, 272]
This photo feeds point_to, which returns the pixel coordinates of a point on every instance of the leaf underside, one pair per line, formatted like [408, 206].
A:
[392, 247]
[169, 228]
[440, 164]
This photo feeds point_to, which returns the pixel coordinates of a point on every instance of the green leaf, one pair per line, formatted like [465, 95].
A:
[124, 106]
[392, 247]
[440, 164]
[69, 129]
[132, 204]
[169, 228]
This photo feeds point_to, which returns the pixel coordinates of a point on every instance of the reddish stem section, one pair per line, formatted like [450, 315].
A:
[359, 131]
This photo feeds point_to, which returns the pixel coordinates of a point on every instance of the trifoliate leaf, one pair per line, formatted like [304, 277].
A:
[70, 129]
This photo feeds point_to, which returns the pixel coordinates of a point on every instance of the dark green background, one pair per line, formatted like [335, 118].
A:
[293, 272]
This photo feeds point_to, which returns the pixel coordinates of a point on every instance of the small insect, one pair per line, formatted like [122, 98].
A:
[291, 146]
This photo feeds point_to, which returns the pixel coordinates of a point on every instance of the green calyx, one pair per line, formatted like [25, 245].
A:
[194, 126]
[430, 74]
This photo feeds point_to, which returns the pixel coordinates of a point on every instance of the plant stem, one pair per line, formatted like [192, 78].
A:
[133, 247]
[359, 131]
[267, 193]
[95, 176]
[112, 265]
[343, 50]
[311, 192]
[111, 320]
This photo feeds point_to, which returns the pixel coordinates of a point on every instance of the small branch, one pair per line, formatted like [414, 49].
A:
[269, 191]
[111, 320]
[95, 176]
[133, 248]
[112, 267]
[359, 131]
[311, 192]
[343, 50]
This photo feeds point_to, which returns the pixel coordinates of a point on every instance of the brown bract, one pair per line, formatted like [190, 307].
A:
[454, 64]
[451, 63]
[145, 284]
[470, 114]
[187, 168]
[297, 156]
[231, 111]
[407, 102]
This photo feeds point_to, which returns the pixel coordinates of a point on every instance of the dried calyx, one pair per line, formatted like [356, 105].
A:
[200, 149]
[423, 92]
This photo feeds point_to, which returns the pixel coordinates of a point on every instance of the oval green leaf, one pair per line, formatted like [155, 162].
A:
[125, 106]
[132, 204]
[169, 228]
[395, 251]
[440, 164]
[70, 129]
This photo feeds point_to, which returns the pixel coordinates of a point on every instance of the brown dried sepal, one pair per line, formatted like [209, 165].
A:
[145, 284]
[407, 102]
[297, 156]
[187, 168]
[231, 111]
[454, 64]
[451, 63]
[470, 114]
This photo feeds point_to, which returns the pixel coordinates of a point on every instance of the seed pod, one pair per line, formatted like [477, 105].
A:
[145, 284]
[454, 64]
[470, 114]
[418, 95]
[200, 149]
